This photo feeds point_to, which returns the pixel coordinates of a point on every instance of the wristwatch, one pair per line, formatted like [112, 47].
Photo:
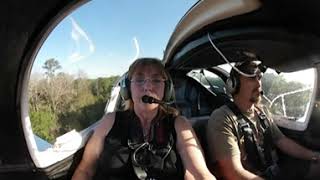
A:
[316, 157]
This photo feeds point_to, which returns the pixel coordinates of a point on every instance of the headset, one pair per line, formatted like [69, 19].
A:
[168, 89]
[233, 82]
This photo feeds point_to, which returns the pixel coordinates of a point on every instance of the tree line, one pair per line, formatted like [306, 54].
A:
[61, 102]
[277, 89]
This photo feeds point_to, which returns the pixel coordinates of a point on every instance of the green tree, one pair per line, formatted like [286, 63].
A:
[61, 103]
[102, 87]
[44, 124]
[283, 96]
[51, 65]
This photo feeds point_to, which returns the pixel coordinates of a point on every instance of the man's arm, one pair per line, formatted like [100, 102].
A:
[294, 149]
[223, 146]
[289, 146]
[190, 151]
[231, 168]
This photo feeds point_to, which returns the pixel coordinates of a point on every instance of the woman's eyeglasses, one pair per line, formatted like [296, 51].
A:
[141, 82]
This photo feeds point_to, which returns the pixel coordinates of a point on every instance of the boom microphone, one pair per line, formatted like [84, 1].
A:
[261, 93]
[151, 100]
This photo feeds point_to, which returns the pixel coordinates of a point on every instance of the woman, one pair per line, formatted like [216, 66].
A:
[148, 140]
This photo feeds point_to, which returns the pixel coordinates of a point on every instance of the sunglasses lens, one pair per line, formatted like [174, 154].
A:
[262, 68]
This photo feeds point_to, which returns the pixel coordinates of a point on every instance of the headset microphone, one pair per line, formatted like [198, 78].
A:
[261, 93]
[151, 100]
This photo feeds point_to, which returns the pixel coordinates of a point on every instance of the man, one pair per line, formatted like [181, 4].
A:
[241, 138]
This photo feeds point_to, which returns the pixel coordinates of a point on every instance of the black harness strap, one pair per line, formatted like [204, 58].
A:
[150, 155]
[268, 145]
[256, 153]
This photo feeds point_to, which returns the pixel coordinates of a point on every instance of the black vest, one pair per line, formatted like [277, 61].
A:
[125, 137]
[262, 156]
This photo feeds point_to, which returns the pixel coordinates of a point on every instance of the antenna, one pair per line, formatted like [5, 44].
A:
[227, 61]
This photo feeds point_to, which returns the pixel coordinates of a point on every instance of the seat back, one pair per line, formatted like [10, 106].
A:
[200, 126]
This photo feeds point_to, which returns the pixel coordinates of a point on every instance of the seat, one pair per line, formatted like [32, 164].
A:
[200, 125]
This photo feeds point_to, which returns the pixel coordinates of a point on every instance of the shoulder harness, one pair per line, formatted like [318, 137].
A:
[261, 156]
[148, 156]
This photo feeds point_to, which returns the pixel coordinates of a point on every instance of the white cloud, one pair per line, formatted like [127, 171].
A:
[79, 35]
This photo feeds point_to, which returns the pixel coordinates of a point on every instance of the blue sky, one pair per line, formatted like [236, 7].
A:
[102, 37]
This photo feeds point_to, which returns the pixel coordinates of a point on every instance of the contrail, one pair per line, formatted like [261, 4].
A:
[77, 33]
[136, 45]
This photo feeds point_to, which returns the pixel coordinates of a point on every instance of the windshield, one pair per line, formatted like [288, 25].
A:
[80, 61]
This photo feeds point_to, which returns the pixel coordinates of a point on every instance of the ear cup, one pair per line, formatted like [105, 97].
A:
[125, 88]
[168, 90]
[236, 80]
[233, 84]
[229, 86]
